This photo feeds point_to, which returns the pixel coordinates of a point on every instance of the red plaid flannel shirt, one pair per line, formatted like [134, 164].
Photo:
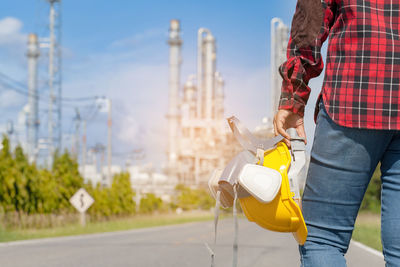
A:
[361, 87]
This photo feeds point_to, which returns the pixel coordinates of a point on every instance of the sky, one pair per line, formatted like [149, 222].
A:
[118, 49]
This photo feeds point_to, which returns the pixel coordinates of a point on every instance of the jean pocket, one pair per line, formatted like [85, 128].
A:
[320, 110]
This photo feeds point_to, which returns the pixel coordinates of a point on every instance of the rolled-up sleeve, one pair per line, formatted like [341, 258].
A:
[310, 28]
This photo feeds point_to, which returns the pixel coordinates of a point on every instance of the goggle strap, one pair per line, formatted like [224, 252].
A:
[249, 141]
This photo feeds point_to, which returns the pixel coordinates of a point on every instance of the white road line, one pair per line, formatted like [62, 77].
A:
[368, 249]
[94, 235]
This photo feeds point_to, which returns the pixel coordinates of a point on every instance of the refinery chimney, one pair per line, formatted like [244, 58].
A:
[33, 120]
[279, 41]
[206, 68]
[209, 75]
[219, 97]
[175, 44]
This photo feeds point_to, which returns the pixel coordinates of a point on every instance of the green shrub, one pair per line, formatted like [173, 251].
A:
[150, 203]
[188, 199]
[122, 195]
[116, 200]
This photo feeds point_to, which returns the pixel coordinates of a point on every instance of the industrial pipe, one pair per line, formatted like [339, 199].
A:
[33, 118]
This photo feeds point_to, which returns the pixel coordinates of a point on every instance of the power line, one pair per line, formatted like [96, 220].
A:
[10, 87]
[12, 80]
[77, 99]
[21, 89]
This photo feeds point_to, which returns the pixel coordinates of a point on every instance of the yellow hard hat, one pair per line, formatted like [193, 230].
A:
[282, 214]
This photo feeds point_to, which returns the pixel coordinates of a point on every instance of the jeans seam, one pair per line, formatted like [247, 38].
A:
[301, 258]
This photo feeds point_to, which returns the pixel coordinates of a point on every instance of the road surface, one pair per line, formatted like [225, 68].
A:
[178, 245]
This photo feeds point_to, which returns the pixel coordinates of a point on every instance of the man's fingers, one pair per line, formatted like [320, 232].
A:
[287, 142]
[281, 131]
[275, 130]
[301, 132]
[287, 119]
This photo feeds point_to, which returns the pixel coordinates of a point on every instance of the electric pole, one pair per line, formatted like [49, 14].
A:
[109, 143]
[84, 148]
[77, 120]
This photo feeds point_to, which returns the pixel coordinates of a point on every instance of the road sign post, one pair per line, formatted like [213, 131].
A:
[81, 200]
[83, 218]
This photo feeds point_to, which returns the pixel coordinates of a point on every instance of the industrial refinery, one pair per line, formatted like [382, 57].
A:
[199, 139]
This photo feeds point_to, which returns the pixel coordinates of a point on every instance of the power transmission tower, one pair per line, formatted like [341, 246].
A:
[55, 79]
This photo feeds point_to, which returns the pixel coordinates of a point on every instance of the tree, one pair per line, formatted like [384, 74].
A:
[150, 203]
[48, 200]
[122, 195]
[116, 200]
[101, 207]
[7, 190]
[23, 181]
[68, 180]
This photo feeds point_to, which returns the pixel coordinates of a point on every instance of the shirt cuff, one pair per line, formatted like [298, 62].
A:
[292, 105]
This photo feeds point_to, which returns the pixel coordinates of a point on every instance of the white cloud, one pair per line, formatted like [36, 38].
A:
[139, 92]
[247, 95]
[138, 38]
[12, 47]
[10, 31]
[128, 129]
[9, 99]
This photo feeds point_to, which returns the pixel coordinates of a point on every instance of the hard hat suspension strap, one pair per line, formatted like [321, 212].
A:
[216, 215]
[236, 225]
[297, 167]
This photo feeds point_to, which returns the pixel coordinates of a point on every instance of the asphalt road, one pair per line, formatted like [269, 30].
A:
[179, 245]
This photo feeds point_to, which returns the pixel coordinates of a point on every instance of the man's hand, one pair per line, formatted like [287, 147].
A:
[285, 119]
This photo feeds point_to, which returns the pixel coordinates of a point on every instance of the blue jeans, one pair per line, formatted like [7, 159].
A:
[342, 163]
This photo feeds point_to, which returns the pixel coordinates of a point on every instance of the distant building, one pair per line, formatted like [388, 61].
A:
[143, 179]
[91, 173]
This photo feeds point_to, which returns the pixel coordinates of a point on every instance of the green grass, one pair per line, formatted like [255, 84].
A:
[368, 230]
[107, 226]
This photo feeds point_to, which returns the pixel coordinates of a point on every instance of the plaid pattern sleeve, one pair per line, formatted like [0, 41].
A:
[304, 59]
[361, 86]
